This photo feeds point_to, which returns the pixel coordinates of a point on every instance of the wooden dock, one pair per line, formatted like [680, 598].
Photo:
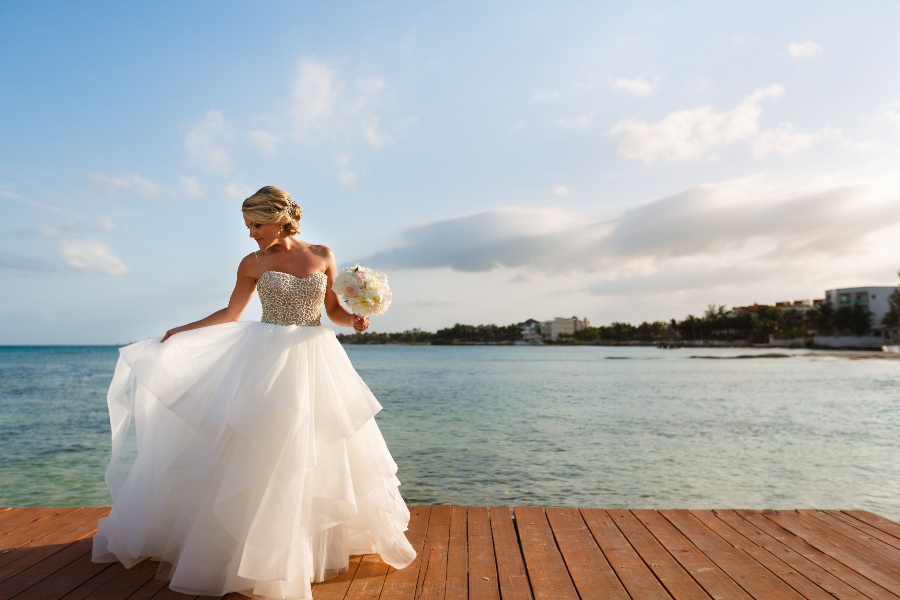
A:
[526, 554]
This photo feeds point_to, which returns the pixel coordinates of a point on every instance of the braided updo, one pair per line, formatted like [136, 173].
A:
[273, 205]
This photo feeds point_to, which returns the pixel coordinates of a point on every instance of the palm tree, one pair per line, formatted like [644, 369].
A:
[892, 317]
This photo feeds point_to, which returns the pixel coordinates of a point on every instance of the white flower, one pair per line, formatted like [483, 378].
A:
[372, 295]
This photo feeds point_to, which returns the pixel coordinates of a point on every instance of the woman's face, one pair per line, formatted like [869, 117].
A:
[265, 234]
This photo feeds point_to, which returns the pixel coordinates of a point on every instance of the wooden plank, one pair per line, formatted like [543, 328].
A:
[669, 572]
[482, 565]
[369, 579]
[336, 587]
[66, 579]
[168, 594]
[511, 575]
[23, 516]
[859, 562]
[879, 553]
[13, 517]
[457, 587]
[126, 582]
[401, 585]
[863, 526]
[103, 577]
[546, 569]
[798, 548]
[437, 540]
[20, 536]
[155, 586]
[708, 574]
[589, 569]
[638, 580]
[885, 525]
[803, 586]
[41, 570]
[756, 580]
[856, 534]
[82, 524]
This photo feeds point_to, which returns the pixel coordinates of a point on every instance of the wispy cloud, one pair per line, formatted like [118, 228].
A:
[265, 141]
[323, 109]
[205, 142]
[687, 134]
[579, 122]
[784, 140]
[543, 95]
[237, 191]
[123, 184]
[191, 187]
[346, 175]
[560, 190]
[741, 225]
[805, 50]
[637, 86]
[91, 256]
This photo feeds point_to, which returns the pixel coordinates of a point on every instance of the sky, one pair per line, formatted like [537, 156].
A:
[499, 161]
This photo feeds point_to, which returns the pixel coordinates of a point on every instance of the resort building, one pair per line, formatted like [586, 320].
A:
[875, 298]
[551, 330]
[531, 332]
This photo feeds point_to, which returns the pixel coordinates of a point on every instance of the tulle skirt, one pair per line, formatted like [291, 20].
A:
[245, 457]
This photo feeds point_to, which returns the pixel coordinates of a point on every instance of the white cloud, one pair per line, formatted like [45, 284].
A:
[687, 134]
[542, 95]
[517, 126]
[635, 85]
[783, 140]
[805, 50]
[205, 141]
[560, 190]
[744, 227]
[91, 256]
[863, 145]
[265, 141]
[237, 191]
[191, 187]
[322, 110]
[579, 122]
[346, 175]
[129, 183]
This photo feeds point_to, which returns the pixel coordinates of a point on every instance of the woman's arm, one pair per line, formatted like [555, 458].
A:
[333, 307]
[240, 298]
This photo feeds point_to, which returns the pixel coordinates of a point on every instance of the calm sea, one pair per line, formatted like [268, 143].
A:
[561, 426]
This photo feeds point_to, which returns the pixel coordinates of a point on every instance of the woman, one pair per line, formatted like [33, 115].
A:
[245, 455]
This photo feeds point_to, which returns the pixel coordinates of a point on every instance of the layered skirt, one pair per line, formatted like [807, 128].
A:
[245, 457]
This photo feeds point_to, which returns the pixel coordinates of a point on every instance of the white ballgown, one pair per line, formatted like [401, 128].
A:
[245, 456]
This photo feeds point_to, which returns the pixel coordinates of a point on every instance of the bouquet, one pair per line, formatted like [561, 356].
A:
[364, 290]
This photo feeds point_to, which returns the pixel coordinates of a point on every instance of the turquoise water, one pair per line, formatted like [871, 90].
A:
[563, 426]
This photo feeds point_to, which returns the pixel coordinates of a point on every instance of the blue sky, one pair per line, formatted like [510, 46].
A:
[500, 161]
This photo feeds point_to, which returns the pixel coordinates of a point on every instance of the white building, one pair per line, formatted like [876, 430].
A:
[875, 298]
[531, 332]
[551, 330]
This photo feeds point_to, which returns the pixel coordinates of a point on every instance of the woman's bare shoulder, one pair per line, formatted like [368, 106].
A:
[251, 265]
[320, 250]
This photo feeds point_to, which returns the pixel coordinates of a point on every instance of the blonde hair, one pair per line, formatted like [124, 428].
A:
[273, 205]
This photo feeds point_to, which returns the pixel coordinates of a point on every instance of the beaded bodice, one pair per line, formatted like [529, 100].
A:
[290, 300]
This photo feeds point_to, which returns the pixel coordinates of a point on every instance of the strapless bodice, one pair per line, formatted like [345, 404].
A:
[290, 300]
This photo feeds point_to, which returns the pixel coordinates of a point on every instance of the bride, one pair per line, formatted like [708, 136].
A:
[245, 456]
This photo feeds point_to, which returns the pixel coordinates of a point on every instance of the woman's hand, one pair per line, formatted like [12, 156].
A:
[360, 323]
[170, 333]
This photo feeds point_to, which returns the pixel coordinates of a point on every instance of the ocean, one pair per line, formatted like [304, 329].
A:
[613, 427]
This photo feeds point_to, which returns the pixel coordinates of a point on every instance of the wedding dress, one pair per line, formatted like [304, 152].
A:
[245, 456]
